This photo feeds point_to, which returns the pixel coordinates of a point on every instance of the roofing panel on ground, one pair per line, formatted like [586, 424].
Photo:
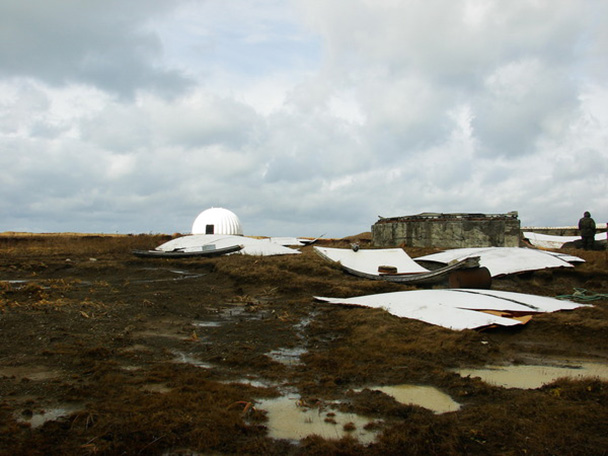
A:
[533, 302]
[503, 260]
[566, 257]
[550, 241]
[435, 313]
[369, 260]
[196, 242]
[455, 308]
[285, 241]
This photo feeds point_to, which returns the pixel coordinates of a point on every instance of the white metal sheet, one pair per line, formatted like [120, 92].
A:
[418, 308]
[550, 241]
[455, 308]
[502, 260]
[196, 242]
[541, 303]
[285, 241]
[566, 257]
[368, 260]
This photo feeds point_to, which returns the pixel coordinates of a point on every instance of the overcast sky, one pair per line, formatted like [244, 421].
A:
[304, 117]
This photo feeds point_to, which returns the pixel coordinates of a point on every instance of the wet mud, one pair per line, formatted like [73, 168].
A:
[102, 352]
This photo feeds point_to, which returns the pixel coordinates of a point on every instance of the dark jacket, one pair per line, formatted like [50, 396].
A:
[587, 226]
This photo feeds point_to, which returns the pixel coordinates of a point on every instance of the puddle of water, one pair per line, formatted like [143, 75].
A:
[257, 383]
[302, 326]
[181, 275]
[287, 356]
[424, 396]
[207, 324]
[156, 388]
[243, 312]
[187, 359]
[38, 419]
[31, 373]
[289, 421]
[530, 377]
[235, 311]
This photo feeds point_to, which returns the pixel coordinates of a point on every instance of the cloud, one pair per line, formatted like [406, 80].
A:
[526, 97]
[304, 116]
[106, 45]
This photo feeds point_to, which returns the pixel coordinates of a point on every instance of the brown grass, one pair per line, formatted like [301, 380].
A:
[109, 326]
[72, 244]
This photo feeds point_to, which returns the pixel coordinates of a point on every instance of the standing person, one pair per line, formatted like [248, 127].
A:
[586, 226]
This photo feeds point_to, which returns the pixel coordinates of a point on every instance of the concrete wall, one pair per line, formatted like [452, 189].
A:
[448, 231]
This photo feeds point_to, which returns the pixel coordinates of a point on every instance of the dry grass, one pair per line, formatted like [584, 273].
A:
[70, 244]
[111, 325]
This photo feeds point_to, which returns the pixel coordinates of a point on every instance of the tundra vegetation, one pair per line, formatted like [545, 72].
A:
[105, 353]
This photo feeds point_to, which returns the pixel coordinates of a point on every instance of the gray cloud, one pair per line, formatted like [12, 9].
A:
[526, 97]
[102, 44]
[377, 108]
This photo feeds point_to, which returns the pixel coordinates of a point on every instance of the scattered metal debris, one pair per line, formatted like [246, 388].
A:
[393, 265]
[217, 244]
[505, 260]
[459, 309]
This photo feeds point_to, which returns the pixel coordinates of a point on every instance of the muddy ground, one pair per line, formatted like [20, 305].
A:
[102, 352]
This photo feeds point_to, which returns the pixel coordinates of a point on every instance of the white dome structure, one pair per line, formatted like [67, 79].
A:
[217, 220]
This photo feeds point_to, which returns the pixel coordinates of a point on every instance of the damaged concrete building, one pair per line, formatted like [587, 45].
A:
[448, 230]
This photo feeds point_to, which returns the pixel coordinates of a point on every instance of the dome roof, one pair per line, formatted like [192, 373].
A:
[217, 220]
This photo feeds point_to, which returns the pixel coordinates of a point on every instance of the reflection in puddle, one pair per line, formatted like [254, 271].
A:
[239, 311]
[207, 324]
[287, 420]
[181, 275]
[522, 376]
[287, 356]
[38, 419]
[302, 325]
[424, 396]
[249, 312]
[257, 383]
[187, 359]
[232, 312]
